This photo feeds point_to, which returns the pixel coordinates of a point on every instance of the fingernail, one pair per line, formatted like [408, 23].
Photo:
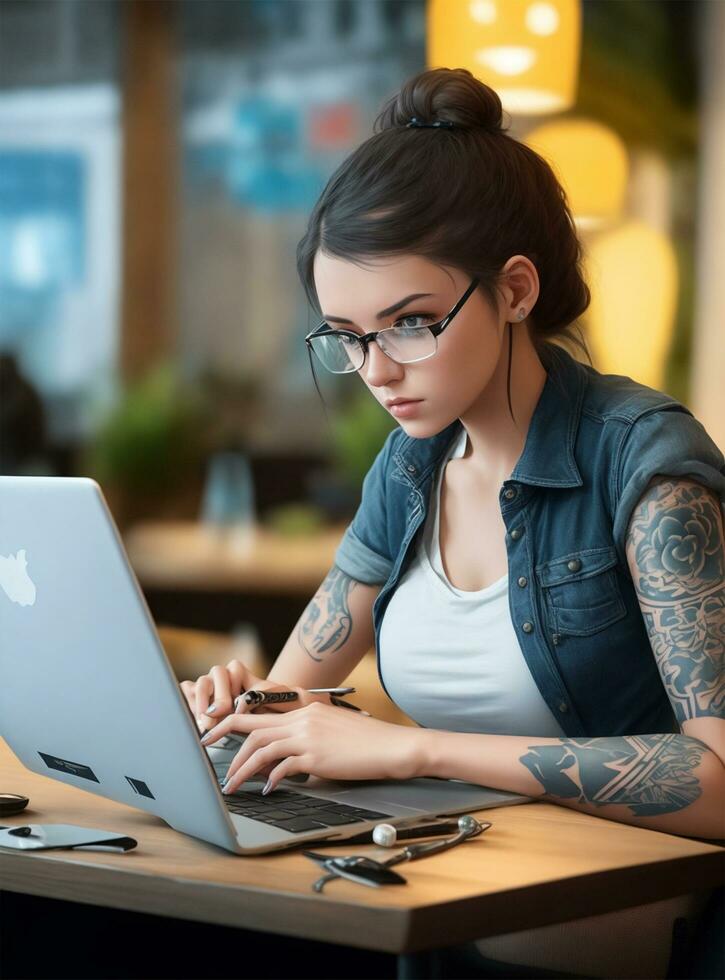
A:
[211, 709]
[226, 789]
[206, 737]
[267, 787]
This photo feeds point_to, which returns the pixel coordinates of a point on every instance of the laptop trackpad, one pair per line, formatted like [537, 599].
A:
[426, 794]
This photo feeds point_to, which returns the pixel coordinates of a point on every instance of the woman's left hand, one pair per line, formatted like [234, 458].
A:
[322, 740]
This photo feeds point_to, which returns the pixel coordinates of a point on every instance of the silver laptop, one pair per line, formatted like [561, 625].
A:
[88, 696]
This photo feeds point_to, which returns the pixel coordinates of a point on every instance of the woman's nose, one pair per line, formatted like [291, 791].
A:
[379, 368]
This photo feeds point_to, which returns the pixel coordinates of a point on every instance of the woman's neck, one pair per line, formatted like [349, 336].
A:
[495, 441]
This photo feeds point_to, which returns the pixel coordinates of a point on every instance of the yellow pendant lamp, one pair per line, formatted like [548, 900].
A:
[528, 51]
[631, 269]
[591, 163]
[632, 273]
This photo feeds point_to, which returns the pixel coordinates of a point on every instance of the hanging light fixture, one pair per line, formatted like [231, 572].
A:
[527, 50]
[632, 273]
[591, 163]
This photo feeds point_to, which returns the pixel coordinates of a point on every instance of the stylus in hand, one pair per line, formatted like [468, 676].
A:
[266, 697]
[276, 697]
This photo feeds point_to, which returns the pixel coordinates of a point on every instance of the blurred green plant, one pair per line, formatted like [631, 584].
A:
[154, 437]
[295, 519]
[359, 429]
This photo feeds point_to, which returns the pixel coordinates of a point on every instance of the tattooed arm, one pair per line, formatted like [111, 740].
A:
[331, 636]
[669, 782]
[676, 557]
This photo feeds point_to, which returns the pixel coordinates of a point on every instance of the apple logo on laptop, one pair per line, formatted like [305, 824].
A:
[15, 581]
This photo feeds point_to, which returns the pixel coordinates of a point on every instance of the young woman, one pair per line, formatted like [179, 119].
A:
[538, 555]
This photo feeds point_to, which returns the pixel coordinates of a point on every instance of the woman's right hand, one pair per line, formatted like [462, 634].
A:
[211, 696]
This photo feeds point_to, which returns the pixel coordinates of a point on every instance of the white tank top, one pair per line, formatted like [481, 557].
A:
[450, 659]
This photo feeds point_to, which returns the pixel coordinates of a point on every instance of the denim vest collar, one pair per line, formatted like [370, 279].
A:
[548, 456]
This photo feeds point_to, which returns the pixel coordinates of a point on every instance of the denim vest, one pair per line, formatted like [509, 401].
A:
[593, 444]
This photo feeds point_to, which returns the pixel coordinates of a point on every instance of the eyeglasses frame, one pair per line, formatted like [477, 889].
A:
[325, 330]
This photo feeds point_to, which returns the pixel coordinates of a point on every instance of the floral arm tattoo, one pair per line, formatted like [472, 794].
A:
[328, 622]
[676, 554]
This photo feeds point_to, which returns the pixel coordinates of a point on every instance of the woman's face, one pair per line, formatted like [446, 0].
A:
[468, 349]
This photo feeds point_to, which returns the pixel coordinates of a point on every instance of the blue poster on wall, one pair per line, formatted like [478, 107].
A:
[41, 218]
[266, 167]
[42, 240]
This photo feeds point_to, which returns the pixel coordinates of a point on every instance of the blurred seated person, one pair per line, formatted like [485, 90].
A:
[22, 422]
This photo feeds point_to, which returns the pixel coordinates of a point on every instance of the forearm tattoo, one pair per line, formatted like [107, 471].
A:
[327, 622]
[677, 558]
[651, 774]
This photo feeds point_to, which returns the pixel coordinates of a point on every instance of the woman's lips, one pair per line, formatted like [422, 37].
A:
[404, 410]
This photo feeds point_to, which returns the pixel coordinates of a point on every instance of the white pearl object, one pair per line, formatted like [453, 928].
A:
[385, 835]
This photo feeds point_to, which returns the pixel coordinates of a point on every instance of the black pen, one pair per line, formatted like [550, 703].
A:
[267, 697]
[275, 697]
[271, 697]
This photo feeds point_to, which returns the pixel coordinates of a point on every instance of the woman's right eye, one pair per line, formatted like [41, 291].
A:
[412, 316]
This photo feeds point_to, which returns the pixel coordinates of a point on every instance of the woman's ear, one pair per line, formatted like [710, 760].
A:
[520, 288]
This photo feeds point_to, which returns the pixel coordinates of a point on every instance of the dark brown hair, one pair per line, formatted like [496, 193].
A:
[469, 197]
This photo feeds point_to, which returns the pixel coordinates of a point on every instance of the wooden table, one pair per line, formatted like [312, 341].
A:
[195, 578]
[539, 863]
[188, 556]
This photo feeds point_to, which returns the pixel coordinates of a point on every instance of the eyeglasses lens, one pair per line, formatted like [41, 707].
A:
[341, 353]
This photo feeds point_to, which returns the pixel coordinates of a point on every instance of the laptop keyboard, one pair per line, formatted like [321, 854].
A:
[296, 812]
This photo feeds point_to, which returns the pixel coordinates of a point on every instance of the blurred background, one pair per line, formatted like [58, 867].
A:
[158, 161]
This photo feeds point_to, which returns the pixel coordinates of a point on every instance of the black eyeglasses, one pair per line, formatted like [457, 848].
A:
[342, 351]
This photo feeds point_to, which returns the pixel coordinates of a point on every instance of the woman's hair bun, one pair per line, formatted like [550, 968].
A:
[444, 95]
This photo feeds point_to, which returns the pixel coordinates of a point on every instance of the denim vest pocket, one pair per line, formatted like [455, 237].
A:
[581, 592]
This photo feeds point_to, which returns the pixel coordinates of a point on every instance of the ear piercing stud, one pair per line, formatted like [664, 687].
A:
[522, 314]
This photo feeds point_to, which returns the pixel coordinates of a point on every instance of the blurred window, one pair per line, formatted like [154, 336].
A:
[59, 203]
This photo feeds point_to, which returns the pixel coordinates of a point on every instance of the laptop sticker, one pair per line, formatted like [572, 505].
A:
[65, 765]
[140, 787]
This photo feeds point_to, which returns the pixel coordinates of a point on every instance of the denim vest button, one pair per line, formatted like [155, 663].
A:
[516, 533]
[527, 627]
[555, 639]
[509, 494]
[563, 707]
[574, 565]
[523, 581]
[411, 469]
